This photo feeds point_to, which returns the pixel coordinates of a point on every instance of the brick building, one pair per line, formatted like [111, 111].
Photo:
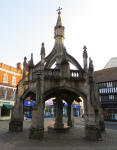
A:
[106, 80]
[9, 78]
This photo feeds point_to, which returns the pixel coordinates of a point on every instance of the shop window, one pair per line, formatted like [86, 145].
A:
[49, 110]
[3, 94]
[5, 112]
[102, 85]
[111, 97]
[65, 111]
[115, 84]
[25, 110]
[104, 98]
[12, 95]
[5, 78]
[13, 80]
[110, 114]
[115, 97]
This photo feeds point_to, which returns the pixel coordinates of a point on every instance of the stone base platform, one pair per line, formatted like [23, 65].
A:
[52, 129]
[36, 133]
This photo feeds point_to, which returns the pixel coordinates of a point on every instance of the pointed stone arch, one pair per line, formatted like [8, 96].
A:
[28, 90]
[49, 91]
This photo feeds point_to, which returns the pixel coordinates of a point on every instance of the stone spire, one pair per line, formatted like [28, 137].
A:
[31, 65]
[24, 67]
[42, 56]
[91, 67]
[59, 21]
[42, 50]
[85, 56]
[59, 28]
[59, 39]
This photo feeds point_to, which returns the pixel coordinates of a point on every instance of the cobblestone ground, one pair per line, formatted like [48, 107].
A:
[73, 139]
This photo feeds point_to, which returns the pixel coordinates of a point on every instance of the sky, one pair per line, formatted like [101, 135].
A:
[25, 24]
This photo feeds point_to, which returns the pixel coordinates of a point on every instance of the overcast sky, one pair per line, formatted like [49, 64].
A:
[25, 24]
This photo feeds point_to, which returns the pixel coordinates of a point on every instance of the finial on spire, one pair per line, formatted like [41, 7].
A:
[91, 67]
[84, 47]
[59, 10]
[42, 49]
[85, 52]
[31, 61]
[25, 58]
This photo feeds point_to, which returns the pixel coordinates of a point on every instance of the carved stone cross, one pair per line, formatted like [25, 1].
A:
[59, 10]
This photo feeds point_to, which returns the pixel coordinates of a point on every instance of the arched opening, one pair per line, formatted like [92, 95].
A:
[71, 100]
[53, 66]
[49, 110]
[29, 101]
[72, 67]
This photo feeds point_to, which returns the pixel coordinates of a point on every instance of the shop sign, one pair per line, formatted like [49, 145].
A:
[4, 102]
[109, 105]
[29, 103]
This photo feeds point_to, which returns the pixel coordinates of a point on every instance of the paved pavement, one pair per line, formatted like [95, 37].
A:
[74, 139]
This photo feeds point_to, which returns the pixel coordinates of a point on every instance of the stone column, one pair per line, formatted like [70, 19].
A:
[0, 111]
[101, 120]
[72, 117]
[59, 115]
[69, 115]
[17, 117]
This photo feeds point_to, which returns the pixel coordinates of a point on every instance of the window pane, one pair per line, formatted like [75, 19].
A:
[115, 97]
[5, 112]
[5, 78]
[12, 95]
[14, 80]
[104, 98]
[3, 94]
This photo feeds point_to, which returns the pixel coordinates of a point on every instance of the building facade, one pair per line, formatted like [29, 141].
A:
[50, 110]
[107, 82]
[9, 78]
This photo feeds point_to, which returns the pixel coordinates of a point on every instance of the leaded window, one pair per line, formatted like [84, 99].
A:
[104, 98]
[12, 95]
[13, 80]
[5, 78]
[4, 94]
[115, 97]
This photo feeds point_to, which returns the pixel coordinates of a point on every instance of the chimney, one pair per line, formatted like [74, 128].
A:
[19, 65]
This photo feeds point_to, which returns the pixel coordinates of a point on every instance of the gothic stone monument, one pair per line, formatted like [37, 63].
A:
[61, 83]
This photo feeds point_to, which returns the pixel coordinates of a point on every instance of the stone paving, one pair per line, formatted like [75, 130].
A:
[73, 139]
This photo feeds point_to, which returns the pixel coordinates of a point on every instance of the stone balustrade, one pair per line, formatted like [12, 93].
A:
[52, 73]
[76, 74]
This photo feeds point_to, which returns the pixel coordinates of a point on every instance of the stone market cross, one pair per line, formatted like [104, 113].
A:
[60, 83]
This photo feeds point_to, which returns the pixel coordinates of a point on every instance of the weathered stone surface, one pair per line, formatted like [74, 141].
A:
[15, 126]
[60, 83]
[36, 133]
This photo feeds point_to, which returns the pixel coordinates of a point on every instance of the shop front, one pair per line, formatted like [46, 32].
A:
[28, 108]
[110, 112]
[50, 110]
[76, 110]
[5, 109]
